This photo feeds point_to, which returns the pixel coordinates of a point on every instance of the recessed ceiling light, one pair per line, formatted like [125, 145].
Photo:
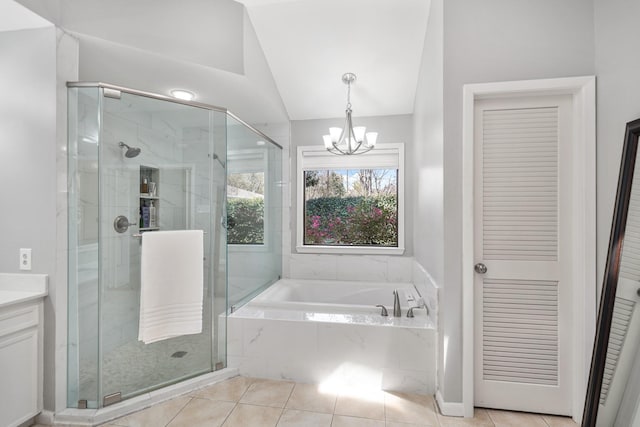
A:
[260, 142]
[185, 95]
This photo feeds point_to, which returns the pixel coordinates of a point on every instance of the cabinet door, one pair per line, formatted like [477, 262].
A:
[19, 377]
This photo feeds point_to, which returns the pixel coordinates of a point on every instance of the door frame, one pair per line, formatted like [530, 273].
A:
[583, 246]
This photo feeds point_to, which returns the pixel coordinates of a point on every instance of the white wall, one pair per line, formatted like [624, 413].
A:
[618, 72]
[27, 150]
[309, 132]
[152, 49]
[28, 164]
[428, 145]
[496, 40]
[251, 93]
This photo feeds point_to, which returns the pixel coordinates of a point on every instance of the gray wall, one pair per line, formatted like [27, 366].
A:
[28, 152]
[496, 40]
[428, 146]
[618, 102]
[428, 247]
[151, 49]
[391, 129]
[28, 164]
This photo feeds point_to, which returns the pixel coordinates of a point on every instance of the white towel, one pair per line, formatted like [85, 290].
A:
[171, 280]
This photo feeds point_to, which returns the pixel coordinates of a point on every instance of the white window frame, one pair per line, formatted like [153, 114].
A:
[317, 157]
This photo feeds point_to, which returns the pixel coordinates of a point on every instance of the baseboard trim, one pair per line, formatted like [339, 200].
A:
[45, 418]
[95, 417]
[451, 409]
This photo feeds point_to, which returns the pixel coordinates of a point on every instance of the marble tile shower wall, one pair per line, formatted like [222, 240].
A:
[178, 152]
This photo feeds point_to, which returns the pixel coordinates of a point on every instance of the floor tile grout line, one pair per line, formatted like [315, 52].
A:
[285, 404]
[237, 402]
[180, 410]
[229, 414]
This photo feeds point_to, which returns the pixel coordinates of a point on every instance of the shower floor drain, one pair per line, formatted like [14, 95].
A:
[179, 354]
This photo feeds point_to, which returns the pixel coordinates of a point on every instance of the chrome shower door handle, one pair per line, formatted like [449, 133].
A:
[480, 268]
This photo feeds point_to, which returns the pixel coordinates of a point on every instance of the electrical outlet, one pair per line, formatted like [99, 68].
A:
[25, 258]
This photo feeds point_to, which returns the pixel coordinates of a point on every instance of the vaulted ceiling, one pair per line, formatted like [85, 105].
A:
[308, 44]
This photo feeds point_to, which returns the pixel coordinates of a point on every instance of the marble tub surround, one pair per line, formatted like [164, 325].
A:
[19, 288]
[376, 268]
[331, 333]
[335, 355]
[286, 404]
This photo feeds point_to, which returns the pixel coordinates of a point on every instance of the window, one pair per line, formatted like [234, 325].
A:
[350, 204]
[246, 198]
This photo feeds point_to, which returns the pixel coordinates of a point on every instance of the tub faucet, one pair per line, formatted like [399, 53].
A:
[384, 312]
[396, 304]
[420, 305]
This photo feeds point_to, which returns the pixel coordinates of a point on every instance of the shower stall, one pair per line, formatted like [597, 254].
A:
[141, 163]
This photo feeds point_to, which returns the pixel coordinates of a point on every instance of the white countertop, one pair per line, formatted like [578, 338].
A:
[19, 288]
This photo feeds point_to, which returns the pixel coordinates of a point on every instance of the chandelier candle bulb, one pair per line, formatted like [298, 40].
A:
[358, 133]
[372, 137]
[335, 134]
[327, 141]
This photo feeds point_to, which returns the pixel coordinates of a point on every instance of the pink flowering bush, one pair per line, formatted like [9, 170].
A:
[360, 221]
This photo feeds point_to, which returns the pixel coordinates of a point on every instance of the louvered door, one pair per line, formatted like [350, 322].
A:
[522, 301]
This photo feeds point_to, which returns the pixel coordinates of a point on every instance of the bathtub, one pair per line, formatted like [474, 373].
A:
[331, 333]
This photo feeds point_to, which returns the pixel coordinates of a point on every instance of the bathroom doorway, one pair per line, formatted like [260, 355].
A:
[533, 204]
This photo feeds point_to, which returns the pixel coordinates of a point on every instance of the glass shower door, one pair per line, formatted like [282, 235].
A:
[254, 212]
[156, 172]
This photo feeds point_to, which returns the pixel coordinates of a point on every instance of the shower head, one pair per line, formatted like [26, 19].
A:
[131, 151]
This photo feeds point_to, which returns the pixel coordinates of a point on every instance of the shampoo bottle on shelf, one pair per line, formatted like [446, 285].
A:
[153, 218]
[145, 216]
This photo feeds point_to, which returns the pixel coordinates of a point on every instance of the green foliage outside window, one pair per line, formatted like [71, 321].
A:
[245, 221]
[351, 207]
[352, 221]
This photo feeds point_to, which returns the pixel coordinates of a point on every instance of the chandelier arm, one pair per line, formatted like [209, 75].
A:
[336, 150]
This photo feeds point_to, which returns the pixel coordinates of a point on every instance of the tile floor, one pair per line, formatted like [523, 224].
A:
[252, 402]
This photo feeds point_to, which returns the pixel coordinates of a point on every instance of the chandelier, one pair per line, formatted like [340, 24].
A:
[349, 140]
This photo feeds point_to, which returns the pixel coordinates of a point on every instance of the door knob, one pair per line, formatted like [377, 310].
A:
[480, 268]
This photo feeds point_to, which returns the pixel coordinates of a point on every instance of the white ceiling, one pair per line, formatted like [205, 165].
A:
[14, 16]
[310, 44]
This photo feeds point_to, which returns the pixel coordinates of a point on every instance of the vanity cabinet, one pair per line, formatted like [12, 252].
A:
[21, 371]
